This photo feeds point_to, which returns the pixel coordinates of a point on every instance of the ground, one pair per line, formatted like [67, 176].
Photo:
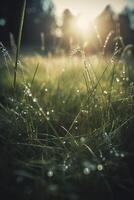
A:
[66, 127]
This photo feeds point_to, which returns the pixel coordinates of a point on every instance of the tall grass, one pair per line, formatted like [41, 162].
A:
[63, 127]
[19, 42]
[67, 133]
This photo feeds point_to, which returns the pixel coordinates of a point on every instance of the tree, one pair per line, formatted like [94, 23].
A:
[68, 28]
[9, 11]
[39, 18]
[108, 29]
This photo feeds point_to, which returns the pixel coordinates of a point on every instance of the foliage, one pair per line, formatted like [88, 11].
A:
[67, 131]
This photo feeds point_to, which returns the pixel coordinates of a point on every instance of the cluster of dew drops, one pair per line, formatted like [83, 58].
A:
[87, 166]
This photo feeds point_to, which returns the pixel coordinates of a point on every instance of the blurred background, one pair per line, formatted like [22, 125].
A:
[57, 26]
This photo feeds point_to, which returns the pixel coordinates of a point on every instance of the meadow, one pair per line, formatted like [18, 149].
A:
[66, 126]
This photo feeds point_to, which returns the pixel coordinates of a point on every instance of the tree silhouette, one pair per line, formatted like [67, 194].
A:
[109, 23]
[68, 28]
[39, 18]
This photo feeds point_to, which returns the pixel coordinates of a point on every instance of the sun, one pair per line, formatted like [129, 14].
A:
[82, 24]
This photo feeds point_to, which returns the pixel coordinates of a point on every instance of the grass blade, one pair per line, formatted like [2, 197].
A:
[35, 73]
[19, 42]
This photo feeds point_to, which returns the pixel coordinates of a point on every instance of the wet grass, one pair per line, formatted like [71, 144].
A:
[67, 130]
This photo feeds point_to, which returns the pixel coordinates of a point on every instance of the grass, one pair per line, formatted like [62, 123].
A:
[66, 125]
[19, 42]
[67, 133]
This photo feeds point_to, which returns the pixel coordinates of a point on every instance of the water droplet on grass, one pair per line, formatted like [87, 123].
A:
[82, 140]
[86, 171]
[2, 22]
[105, 92]
[41, 109]
[34, 100]
[64, 167]
[48, 113]
[50, 173]
[122, 155]
[127, 79]
[100, 167]
[118, 80]
[11, 99]
[30, 94]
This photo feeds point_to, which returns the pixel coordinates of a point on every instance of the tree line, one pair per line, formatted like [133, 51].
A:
[40, 24]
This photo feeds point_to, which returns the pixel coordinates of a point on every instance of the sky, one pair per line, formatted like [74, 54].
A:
[89, 8]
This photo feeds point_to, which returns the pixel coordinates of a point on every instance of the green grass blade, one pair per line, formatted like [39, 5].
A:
[35, 74]
[19, 42]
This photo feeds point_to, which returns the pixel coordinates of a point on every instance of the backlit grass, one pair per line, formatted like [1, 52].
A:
[67, 130]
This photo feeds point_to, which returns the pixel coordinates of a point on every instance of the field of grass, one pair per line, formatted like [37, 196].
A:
[66, 128]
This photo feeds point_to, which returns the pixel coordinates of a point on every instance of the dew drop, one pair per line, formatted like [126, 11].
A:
[111, 151]
[100, 167]
[127, 79]
[41, 109]
[30, 94]
[48, 118]
[50, 173]
[82, 140]
[64, 167]
[86, 171]
[2, 22]
[118, 80]
[48, 113]
[105, 92]
[34, 100]
[122, 155]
